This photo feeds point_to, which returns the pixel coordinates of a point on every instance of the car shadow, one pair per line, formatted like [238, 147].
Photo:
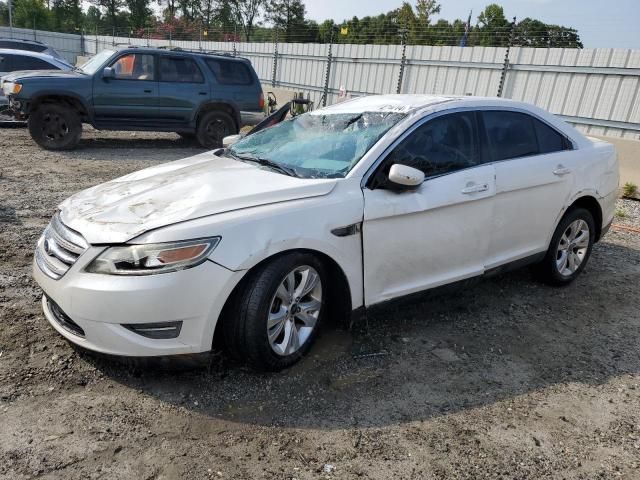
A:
[493, 340]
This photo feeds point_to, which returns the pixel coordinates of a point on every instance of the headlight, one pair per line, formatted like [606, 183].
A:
[153, 258]
[11, 88]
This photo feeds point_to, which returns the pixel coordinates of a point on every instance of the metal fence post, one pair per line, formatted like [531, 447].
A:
[275, 59]
[113, 36]
[505, 66]
[325, 91]
[403, 60]
[83, 49]
[235, 39]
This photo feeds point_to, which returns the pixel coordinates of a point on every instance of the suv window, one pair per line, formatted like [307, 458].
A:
[134, 66]
[31, 47]
[22, 62]
[516, 134]
[179, 69]
[228, 72]
[442, 145]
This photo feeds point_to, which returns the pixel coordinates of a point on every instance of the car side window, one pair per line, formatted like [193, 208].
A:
[510, 134]
[228, 72]
[180, 69]
[134, 66]
[549, 140]
[23, 62]
[442, 145]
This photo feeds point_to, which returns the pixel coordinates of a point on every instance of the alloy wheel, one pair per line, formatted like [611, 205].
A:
[573, 247]
[294, 310]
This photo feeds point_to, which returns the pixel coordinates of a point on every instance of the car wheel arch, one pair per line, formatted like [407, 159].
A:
[65, 99]
[219, 106]
[339, 290]
[591, 204]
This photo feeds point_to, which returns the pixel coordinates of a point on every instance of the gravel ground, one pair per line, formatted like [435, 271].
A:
[505, 378]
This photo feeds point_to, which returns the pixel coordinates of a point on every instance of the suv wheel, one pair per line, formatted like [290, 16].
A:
[213, 127]
[55, 127]
[277, 313]
[570, 248]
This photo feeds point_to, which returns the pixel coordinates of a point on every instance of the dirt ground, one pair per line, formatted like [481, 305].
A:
[503, 379]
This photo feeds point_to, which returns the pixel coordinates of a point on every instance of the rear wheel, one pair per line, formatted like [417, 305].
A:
[570, 248]
[213, 127]
[277, 314]
[55, 127]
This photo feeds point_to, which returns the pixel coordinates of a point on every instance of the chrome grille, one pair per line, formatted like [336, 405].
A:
[58, 248]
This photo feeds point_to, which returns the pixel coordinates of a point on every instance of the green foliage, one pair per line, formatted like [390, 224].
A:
[629, 190]
[258, 20]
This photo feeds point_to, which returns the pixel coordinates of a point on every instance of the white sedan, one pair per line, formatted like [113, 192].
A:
[319, 217]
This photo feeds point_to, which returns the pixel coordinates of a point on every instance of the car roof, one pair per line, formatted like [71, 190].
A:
[28, 53]
[176, 51]
[409, 103]
[23, 40]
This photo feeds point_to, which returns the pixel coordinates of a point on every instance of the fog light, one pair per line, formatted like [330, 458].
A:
[157, 331]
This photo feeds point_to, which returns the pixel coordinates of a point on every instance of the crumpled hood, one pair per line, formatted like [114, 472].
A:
[124, 208]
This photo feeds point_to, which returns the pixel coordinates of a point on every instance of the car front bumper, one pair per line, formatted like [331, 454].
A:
[101, 304]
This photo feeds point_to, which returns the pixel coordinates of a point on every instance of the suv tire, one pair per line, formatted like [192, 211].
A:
[213, 127]
[55, 127]
[275, 315]
[569, 249]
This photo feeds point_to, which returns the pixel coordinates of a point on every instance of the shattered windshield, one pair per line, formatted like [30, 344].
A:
[317, 145]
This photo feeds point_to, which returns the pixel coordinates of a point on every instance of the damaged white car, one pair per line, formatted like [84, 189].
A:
[319, 216]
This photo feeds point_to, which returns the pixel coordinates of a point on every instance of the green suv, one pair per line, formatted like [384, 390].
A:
[198, 95]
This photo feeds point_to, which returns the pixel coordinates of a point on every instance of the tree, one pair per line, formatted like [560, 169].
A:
[247, 13]
[288, 16]
[139, 13]
[425, 9]
[112, 9]
[4, 13]
[493, 27]
[30, 13]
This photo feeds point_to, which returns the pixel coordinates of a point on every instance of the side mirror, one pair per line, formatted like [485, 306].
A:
[108, 72]
[405, 177]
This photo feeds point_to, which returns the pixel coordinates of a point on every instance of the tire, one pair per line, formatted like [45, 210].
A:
[566, 257]
[213, 127]
[187, 136]
[253, 331]
[55, 127]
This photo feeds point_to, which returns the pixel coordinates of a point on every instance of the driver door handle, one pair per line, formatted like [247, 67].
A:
[475, 188]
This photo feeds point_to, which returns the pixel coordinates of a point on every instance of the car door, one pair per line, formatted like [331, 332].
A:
[181, 89]
[131, 94]
[438, 233]
[534, 179]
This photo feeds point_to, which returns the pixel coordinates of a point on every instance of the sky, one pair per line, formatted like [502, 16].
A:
[608, 23]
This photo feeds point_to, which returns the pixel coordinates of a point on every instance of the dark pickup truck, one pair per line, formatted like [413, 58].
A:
[194, 94]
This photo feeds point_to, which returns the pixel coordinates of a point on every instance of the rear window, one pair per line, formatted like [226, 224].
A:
[229, 72]
[511, 134]
[29, 47]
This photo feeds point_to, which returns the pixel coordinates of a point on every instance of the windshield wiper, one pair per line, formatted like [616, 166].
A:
[265, 162]
[352, 121]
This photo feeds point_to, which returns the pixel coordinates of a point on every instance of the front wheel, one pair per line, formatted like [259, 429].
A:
[55, 127]
[570, 248]
[278, 312]
[213, 127]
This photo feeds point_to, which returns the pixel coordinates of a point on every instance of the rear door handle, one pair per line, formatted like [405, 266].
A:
[561, 170]
[475, 188]
[202, 93]
[147, 91]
